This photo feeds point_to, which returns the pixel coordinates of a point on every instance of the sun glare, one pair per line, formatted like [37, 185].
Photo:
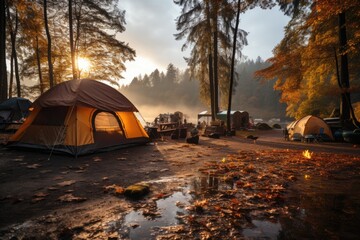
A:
[83, 64]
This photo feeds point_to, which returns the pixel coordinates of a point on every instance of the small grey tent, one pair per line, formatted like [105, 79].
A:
[13, 110]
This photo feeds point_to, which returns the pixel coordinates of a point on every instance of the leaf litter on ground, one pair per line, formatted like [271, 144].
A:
[251, 185]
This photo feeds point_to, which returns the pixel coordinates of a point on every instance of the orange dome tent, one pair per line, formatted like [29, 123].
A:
[80, 117]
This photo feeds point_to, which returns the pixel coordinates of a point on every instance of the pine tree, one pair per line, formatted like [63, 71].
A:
[205, 25]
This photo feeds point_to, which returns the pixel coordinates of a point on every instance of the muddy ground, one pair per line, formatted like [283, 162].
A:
[67, 198]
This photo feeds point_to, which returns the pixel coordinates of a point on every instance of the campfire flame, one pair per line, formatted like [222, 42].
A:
[307, 154]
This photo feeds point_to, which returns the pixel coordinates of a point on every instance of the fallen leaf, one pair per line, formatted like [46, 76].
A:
[66, 183]
[52, 188]
[40, 194]
[33, 166]
[115, 189]
[217, 208]
[228, 211]
[38, 199]
[119, 190]
[174, 229]
[70, 198]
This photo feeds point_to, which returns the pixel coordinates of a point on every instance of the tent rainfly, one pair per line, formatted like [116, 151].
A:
[80, 117]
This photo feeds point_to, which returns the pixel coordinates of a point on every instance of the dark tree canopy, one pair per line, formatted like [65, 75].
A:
[96, 29]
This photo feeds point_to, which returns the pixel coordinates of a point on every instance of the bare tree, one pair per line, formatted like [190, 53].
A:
[51, 71]
[3, 73]
[14, 58]
[228, 116]
[71, 35]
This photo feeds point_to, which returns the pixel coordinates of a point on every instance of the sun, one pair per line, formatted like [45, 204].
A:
[83, 64]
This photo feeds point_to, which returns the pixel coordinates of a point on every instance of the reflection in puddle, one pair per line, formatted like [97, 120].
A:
[170, 209]
[323, 208]
[315, 208]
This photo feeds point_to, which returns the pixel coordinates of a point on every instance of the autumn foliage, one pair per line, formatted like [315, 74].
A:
[304, 62]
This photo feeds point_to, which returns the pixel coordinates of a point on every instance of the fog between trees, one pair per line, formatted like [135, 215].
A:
[174, 90]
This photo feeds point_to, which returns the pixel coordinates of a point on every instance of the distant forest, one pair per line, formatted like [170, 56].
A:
[174, 90]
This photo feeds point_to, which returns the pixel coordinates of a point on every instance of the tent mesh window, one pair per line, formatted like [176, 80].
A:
[52, 116]
[106, 122]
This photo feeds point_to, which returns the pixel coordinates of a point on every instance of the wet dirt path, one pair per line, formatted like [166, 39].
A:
[226, 187]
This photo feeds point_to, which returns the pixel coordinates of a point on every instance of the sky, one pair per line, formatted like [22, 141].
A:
[151, 25]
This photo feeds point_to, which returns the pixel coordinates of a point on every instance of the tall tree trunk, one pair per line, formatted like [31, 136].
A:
[215, 61]
[11, 77]
[344, 73]
[74, 71]
[211, 83]
[51, 72]
[3, 73]
[228, 114]
[11, 80]
[13, 43]
[211, 71]
[76, 43]
[38, 62]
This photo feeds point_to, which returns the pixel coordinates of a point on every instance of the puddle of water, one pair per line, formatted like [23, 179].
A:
[323, 208]
[170, 208]
[317, 208]
[263, 229]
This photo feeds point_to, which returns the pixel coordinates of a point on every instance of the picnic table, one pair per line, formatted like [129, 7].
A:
[167, 128]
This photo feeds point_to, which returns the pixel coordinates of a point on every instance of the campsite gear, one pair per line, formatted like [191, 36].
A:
[13, 110]
[193, 139]
[214, 135]
[152, 132]
[309, 125]
[352, 136]
[80, 117]
[254, 138]
[239, 119]
[194, 132]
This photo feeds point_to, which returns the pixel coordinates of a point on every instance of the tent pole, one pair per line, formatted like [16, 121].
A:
[61, 132]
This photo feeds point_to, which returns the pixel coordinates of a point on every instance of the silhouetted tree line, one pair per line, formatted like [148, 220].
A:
[177, 88]
[172, 88]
